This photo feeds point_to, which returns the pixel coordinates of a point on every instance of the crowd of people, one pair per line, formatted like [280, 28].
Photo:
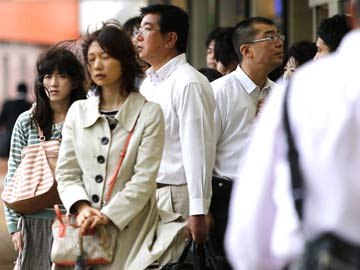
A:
[208, 150]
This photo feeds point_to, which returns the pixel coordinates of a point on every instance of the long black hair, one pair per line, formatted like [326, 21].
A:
[56, 58]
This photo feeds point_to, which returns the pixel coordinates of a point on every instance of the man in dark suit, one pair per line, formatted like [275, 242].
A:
[10, 112]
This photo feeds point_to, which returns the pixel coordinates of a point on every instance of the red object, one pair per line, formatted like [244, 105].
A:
[39, 21]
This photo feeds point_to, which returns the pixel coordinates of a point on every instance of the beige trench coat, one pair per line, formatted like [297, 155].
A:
[88, 155]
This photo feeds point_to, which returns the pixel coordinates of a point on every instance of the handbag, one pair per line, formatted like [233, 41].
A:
[33, 186]
[97, 246]
[203, 258]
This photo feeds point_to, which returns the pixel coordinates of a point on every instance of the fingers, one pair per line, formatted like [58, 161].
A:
[199, 228]
[17, 241]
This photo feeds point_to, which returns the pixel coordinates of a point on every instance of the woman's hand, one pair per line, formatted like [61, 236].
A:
[17, 241]
[89, 217]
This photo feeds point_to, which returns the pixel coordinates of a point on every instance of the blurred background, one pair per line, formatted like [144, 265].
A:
[27, 26]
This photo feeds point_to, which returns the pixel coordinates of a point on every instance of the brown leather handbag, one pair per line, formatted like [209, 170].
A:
[33, 186]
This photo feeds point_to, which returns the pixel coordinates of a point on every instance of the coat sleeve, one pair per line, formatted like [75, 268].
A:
[68, 171]
[127, 203]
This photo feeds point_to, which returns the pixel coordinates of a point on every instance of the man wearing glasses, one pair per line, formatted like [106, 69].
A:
[187, 100]
[239, 96]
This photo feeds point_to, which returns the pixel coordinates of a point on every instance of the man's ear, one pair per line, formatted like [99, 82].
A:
[171, 39]
[246, 51]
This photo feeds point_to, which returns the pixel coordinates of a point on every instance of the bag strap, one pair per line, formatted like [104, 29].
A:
[112, 180]
[185, 252]
[297, 181]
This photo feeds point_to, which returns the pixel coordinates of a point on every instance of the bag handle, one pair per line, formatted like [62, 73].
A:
[112, 180]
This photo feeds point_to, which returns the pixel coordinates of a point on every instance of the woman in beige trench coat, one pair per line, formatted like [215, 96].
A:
[93, 135]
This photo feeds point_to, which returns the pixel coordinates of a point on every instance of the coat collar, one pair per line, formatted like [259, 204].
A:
[126, 116]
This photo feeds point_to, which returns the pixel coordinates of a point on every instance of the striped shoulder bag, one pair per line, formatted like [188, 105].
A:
[33, 186]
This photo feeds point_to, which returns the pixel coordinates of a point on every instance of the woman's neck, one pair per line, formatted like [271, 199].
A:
[59, 111]
[111, 98]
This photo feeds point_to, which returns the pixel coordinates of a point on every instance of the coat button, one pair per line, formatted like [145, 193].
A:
[101, 159]
[112, 126]
[104, 140]
[99, 178]
[95, 198]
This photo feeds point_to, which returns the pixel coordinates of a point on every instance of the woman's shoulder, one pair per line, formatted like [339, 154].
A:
[25, 118]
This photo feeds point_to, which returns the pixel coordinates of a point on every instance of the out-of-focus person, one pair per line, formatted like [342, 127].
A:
[210, 48]
[225, 55]
[298, 54]
[11, 109]
[330, 33]
[265, 231]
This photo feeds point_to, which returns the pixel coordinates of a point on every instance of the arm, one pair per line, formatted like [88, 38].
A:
[253, 211]
[127, 203]
[18, 142]
[196, 107]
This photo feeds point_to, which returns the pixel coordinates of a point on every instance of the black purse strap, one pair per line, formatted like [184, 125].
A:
[293, 158]
[185, 252]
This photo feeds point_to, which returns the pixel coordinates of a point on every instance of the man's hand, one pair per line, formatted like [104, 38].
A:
[198, 228]
[17, 241]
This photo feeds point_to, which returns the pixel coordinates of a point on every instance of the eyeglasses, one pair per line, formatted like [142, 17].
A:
[143, 31]
[272, 38]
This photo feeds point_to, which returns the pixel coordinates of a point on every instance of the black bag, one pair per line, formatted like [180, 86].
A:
[203, 258]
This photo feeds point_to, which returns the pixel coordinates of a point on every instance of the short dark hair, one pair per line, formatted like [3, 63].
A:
[210, 74]
[56, 58]
[114, 41]
[212, 35]
[172, 19]
[302, 51]
[332, 30]
[130, 24]
[22, 88]
[245, 32]
[224, 47]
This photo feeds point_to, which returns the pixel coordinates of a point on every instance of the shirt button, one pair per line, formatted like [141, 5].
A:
[98, 178]
[112, 126]
[104, 140]
[221, 184]
[95, 198]
[101, 159]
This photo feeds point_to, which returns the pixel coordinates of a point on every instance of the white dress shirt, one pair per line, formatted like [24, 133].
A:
[188, 103]
[237, 98]
[324, 110]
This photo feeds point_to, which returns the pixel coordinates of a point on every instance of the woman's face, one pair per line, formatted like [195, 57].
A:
[290, 67]
[104, 69]
[57, 87]
[210, 55]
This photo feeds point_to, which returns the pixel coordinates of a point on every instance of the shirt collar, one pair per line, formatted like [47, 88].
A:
[248, 84]
[126, 115]
[160, 75]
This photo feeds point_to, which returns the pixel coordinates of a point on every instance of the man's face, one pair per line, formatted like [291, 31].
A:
[322, 49]
[150, 41]
[268, 53]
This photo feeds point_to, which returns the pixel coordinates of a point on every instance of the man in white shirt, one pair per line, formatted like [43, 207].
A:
[238, 95]
[323, 105]
[185, 95]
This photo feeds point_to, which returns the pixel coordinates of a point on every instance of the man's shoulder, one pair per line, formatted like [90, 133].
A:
[186, 73]
[226, 83]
